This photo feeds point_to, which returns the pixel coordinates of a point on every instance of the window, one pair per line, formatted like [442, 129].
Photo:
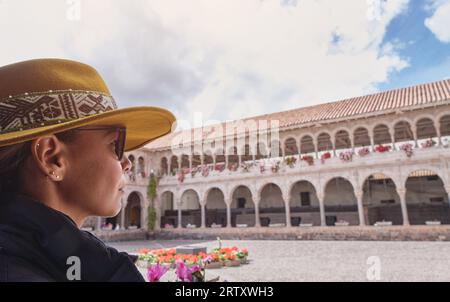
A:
[387, 201]
[305, 199]
[436, 199]
[241, 203]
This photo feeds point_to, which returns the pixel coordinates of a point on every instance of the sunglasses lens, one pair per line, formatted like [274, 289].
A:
[120, 144]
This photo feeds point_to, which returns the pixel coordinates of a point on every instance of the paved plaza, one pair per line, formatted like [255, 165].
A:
[324, 260]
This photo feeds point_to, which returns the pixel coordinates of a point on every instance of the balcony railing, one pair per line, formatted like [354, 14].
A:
[281, 165]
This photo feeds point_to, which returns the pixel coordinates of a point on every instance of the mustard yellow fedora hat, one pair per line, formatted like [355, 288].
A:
[45, 96]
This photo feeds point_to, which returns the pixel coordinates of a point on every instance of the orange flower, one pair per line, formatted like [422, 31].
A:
[144, 251]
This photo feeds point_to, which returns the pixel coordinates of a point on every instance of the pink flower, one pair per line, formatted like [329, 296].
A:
[183, 273]
[155, 272]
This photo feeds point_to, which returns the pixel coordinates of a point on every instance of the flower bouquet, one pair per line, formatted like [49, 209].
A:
[309, 159]
[290, 161]
[381, 148]
[219, 167]
[428, 143]
[245, 166]
[408, 149]
[205, 171]
[346, 156]
[233, 167]
[275, 166]
[325, 156]
[363, 151]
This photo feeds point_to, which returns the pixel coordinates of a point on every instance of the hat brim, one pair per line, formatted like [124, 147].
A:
[144, 124]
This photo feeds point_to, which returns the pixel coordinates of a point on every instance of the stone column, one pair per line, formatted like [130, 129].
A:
[286, 199]
[402, 194]
[122, 218]
[229, 214]
[359, 197]
[372, 143]
[392, 135]
[437, 126]
[203, 213]
[414, 131]
[257, 220]
[322, 209]
[180, 225]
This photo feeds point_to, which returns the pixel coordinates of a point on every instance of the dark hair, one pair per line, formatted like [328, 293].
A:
[14, 156]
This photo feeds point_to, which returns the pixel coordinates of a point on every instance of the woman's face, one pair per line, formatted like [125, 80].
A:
[94, 179]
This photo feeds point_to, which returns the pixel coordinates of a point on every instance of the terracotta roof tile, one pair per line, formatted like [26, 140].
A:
[353, 107]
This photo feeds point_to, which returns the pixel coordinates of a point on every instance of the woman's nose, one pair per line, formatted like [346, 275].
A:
[126, 164]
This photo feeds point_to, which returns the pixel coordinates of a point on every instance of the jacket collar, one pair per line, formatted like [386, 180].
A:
[48, 238]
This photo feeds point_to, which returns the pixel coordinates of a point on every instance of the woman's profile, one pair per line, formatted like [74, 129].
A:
[62, 140]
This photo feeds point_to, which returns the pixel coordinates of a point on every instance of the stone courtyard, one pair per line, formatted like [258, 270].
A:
[317, 261]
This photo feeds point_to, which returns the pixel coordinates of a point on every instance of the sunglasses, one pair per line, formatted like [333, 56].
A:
[121, 138]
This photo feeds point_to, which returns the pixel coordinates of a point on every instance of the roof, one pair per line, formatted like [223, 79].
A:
[413, 97]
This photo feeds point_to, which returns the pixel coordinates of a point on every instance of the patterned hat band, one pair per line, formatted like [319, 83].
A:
[33, 110]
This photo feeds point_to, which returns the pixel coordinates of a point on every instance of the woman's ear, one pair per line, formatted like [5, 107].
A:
[48, 152]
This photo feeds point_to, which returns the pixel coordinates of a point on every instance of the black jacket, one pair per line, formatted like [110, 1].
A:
[37, 241]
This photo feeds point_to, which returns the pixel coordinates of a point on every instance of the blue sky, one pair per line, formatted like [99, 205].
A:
[220, 60]
[429, 58]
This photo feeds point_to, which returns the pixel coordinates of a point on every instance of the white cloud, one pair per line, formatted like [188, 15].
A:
[439, 22]
[225, 58]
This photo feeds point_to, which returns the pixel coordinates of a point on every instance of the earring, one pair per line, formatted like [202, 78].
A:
[53, 173]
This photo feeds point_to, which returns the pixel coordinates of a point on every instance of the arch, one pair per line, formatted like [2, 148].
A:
[381, 201]
[133, 211]
[403, 131]
[190, 200]
[220, 156]
[173, 164]
[324, 142]
[141, 166]
[242, 206]
[261, 151]
[307, 144]
[342, 140]
[426, 198]
[340, 202]
[304, 203]
[381, 134]
[425, 128]
[247, 154]
[185, 162]
[215, 207]
[271, 204]
[164, 166]
[290, 147]
[196, 160]
[168, 211]
[361, 137]
[444, 124]
[233, 159]
[208, 158]
[275, 149]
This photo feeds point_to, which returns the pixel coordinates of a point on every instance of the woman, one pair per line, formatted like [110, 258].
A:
[62, 141]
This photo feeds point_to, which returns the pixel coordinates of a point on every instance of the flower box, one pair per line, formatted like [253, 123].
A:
[383, 223]
[232, 263]
[363, 151]
[381, 148]
[342, 223]
[309, 159]
[305, 225]
[214, 265]
[325, 156]
[216, 226]
[277, 225]
[243, 225]
[432, 222]
[408, 149]
[191, 226]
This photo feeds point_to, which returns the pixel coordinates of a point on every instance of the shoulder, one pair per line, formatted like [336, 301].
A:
[16, 269]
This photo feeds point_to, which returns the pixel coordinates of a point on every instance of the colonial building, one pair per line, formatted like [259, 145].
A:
[370, 160]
